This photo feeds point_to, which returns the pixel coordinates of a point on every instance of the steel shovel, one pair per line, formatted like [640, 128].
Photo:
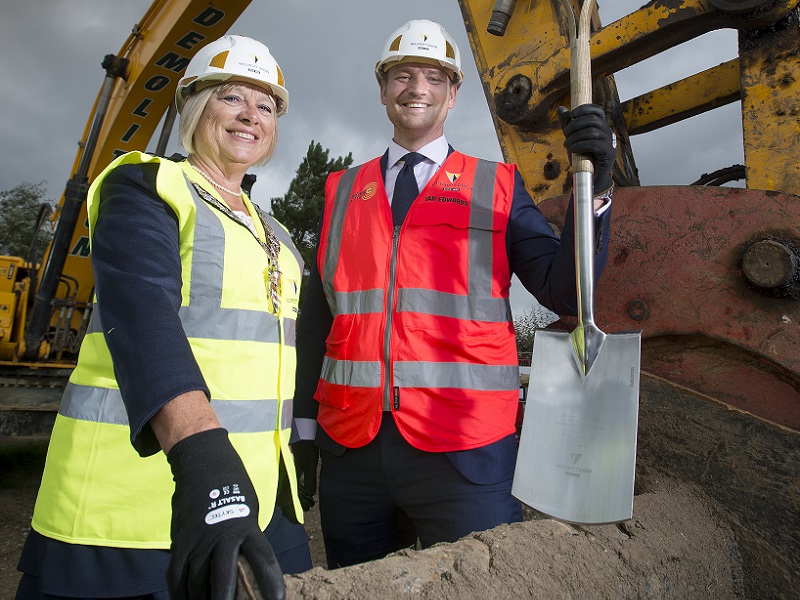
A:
[577, 451]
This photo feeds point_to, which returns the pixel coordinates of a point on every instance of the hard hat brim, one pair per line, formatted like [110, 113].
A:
[383, 66]
[281, 94]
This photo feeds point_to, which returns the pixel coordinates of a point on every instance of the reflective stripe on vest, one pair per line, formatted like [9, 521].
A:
[104, 405]
[204, 317]
[422, 374]
[212, 322]
[335, 239]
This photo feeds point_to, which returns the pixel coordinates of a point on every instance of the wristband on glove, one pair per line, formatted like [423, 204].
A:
[206, 464]
[214, 520]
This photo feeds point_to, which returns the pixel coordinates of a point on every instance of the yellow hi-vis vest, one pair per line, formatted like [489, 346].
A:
[96, 489]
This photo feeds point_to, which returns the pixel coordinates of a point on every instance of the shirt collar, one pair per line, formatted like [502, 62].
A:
[435, 151]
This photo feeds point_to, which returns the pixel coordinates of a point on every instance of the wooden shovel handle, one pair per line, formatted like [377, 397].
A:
[580, 75]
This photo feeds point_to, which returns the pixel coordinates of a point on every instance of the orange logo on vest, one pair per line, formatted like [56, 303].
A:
[367, 193]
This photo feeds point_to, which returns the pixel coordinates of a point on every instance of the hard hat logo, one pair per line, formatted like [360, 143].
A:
[234, 58]
[423, 45]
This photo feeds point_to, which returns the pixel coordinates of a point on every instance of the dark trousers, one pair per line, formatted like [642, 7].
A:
[384, 496]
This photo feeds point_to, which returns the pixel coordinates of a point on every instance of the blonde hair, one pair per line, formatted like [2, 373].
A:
[193, 109]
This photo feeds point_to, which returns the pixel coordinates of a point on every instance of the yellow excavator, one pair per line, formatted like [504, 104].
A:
[709, 273]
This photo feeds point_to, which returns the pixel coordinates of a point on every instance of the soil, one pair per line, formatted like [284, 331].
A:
[674, 547]
[20, 473]
[555, 546]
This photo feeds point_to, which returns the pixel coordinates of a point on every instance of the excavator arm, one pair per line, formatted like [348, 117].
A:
[710, 274]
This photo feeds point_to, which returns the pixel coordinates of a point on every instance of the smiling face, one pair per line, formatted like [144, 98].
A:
[237, 126]
[417, 97]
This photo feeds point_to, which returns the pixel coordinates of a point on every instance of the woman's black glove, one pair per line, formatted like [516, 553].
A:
[306, 459]
[214, 519]
[586, 131]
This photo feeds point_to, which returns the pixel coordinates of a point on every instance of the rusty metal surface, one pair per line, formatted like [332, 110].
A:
[674, 272]
[770, 81]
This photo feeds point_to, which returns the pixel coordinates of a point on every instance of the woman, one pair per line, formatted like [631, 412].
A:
[189, 362]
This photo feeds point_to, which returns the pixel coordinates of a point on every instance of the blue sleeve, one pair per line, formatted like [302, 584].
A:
[138, 278]
[313, 326]
[545, 264]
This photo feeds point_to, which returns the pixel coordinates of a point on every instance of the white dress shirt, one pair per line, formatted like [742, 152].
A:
[435, 153]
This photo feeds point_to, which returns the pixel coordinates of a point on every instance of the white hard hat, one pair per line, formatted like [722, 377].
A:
[234, 58]
[421, 41]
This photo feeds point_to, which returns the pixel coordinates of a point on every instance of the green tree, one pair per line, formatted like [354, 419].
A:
[24, 228]
[300, 208]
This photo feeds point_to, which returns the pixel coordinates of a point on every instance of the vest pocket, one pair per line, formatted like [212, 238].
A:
[331, 394]
[336, 374]
[337, 342]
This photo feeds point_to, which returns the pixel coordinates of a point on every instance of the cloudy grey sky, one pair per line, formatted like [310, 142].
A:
[52, 50]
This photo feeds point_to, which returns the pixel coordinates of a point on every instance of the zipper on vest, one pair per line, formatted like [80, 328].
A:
[388, 400]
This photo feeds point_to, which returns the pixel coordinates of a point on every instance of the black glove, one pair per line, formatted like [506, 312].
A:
[306, 459]
[586, 131]
[214, 519]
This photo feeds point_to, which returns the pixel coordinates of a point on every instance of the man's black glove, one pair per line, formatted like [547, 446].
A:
[214, 519]
[306, 459]
[586, 131]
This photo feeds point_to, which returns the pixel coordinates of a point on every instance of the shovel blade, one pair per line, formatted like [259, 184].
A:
[577, 450]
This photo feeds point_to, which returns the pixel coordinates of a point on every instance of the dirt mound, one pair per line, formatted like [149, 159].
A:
[674, 547]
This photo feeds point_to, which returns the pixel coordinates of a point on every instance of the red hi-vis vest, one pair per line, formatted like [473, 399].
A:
[422, 325]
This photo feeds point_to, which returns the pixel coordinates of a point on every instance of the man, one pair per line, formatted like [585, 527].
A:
[406, 337]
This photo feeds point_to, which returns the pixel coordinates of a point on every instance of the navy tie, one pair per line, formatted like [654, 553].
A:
[405, 188]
